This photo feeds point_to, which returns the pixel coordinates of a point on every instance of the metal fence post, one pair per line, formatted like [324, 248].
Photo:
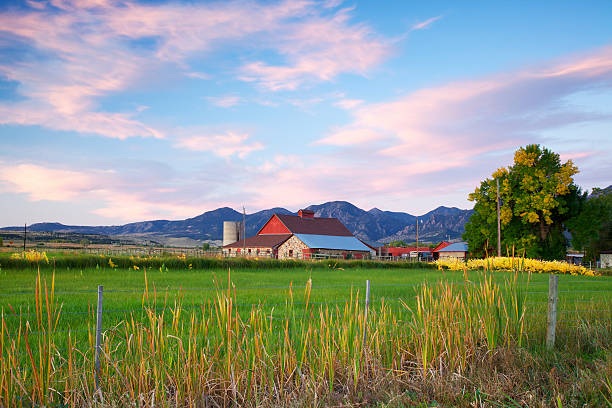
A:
[553, 297]
[98, 337]
[365, 320]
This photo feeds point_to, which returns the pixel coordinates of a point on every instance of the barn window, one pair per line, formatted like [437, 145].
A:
[291, 252]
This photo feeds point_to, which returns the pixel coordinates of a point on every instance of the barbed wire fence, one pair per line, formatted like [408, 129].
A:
[373, 295]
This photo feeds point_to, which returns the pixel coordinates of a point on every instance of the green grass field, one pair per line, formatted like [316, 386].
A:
[261, 345]
[75, 290]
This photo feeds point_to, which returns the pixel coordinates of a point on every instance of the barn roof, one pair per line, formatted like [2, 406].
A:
[314, 226]
[456, 247]
[260, 241]
[344, 243]
[441, 245]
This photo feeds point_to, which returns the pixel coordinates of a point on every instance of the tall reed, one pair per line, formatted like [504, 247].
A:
[169, 356]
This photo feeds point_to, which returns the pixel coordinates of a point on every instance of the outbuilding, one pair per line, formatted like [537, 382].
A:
[457, 250]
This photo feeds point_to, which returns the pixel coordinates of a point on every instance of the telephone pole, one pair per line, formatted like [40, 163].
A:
[243, 231]
[498, 224]
[417, 239]
[25, 232]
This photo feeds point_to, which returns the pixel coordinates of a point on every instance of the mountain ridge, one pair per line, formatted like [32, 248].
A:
[372, 225]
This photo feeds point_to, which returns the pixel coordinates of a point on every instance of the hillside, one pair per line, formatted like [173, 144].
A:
[373, 225]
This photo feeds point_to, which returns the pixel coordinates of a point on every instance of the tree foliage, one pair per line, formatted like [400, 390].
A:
[396, 244]
[538, 197]
[592, 228]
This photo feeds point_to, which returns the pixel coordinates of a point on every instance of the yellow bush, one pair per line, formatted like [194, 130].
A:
[509, 263]
[32, 256]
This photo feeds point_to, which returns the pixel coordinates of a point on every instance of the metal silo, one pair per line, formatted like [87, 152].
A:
[231, 232]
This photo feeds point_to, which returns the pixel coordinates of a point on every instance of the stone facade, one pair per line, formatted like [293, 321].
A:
[452, 254]
[606, 260]
[292, 248]
[254, 252]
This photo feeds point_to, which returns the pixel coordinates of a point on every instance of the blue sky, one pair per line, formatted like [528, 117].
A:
[118, 111]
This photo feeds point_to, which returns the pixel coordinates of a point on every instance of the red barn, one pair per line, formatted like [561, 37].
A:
[300, 236]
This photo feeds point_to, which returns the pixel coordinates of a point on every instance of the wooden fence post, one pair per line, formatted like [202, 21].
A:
[365, 320]
[553, 297]
[98, 337]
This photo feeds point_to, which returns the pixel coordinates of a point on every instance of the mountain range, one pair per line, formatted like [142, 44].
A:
[374, 225]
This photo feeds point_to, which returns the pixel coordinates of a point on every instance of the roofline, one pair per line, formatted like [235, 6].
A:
[269, 219]
[333, 249]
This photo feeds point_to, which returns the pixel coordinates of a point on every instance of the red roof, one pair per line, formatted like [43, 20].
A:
[441, 245]
[315, 226]
[260, 241]
[397, 251]
[408, 249]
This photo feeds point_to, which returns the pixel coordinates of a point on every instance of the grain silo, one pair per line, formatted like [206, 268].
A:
[231, 232]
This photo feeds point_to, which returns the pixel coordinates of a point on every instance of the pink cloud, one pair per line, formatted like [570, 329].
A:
[225, 144]
[319, 49]
[41, 183]
[125, 196]
[425, 24]
[349, 104]
[443, 140]
[460, 116]
[84, 53]
[225, 101]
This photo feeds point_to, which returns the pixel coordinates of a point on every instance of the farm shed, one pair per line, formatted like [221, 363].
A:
[407, 252]
[436, 251]
[456, 250]
[300, 236]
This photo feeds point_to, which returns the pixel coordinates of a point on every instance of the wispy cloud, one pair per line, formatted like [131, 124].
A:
[82, 51]
[349, 104]
[54, 184]
[425, 24]
[224, 144]
[319, 49]
[225, 101]
[125, 196]
[488, 112]
[458, 133]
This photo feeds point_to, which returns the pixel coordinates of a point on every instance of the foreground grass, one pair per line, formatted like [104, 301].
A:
[458, 340]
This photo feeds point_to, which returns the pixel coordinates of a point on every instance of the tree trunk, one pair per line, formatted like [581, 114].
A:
[544, 230]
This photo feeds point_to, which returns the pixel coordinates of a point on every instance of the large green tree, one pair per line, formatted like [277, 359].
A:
[538, 197]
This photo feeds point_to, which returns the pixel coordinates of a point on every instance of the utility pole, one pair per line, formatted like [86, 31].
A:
[243, 231]
[25, 232]
[498, 224]
[417, 239]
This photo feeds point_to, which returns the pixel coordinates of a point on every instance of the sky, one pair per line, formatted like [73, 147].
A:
[119, 111]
